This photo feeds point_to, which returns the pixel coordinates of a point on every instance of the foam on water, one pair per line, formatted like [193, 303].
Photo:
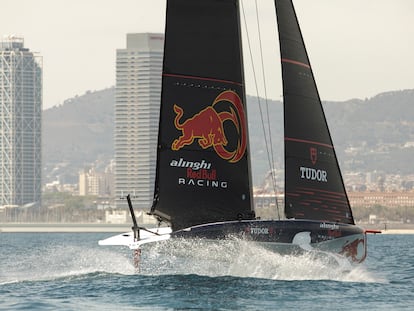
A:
[65, 261]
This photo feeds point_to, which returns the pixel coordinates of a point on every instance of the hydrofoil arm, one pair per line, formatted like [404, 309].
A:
[146, 236]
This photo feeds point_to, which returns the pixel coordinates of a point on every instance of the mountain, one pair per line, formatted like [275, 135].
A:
[375, 134]
[77, 133]
[370, 134]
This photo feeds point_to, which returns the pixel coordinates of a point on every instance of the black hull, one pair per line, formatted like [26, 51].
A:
[288, 235]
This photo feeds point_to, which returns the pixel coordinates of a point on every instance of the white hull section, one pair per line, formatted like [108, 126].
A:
[127, 238]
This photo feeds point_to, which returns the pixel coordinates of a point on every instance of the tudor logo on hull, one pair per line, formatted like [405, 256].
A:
[258, 230]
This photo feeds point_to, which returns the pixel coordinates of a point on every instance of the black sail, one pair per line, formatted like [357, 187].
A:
[313, 183]
[203, 170]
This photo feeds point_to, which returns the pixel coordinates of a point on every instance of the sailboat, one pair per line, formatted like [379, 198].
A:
[203, 186]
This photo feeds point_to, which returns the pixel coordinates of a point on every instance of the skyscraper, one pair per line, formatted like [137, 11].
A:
[20, 124]
[137, 104]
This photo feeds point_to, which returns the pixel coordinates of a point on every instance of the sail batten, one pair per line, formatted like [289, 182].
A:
[201, 78]
[295, 62]
[312, 142]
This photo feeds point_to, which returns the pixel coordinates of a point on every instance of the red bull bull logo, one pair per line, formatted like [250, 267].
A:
[207, 127]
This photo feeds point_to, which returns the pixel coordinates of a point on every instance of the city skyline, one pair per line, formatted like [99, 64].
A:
[357, 49]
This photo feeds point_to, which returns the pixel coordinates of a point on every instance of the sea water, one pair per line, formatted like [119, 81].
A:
[62, 271]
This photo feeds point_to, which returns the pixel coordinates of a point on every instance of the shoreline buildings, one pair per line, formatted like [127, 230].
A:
[137, 104]
[20, 126]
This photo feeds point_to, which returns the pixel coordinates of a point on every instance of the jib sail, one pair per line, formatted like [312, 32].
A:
[313, 184]
[203, 172]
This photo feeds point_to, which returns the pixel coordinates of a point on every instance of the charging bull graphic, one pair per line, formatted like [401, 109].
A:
[207, 127]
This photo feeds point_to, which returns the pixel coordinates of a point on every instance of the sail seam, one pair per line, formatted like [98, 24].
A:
[291, 61]
[326, 191]
[200, 78]
[308, 142]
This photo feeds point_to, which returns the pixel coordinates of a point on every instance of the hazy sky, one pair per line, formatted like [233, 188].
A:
[357, 48]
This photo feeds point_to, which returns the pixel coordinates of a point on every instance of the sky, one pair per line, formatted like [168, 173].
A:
[357, 48]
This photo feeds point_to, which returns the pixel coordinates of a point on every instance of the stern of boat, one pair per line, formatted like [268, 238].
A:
[353, 247]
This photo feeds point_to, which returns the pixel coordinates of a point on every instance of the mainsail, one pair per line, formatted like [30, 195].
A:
[313, 183]
[203, 169]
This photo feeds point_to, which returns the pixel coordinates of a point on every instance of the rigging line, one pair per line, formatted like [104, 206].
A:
[272, 165]
[257, 90]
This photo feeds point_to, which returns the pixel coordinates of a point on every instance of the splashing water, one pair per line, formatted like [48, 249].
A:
[234, 257]
[245, 259]
[71, 272]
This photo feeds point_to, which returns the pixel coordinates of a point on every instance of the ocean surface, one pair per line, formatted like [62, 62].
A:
[62, 271]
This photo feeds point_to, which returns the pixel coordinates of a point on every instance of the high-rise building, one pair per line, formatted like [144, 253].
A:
[20, 124]
[138, 94]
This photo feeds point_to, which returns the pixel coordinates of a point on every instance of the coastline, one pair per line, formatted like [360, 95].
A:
[119, 228]
[389, 228]
[398, 231]
[63, 228]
